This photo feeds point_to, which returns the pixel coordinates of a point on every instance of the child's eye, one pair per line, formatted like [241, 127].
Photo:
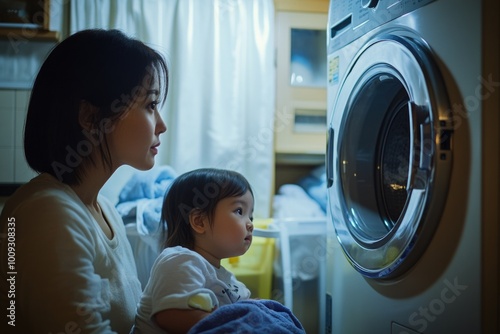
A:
[239, 211]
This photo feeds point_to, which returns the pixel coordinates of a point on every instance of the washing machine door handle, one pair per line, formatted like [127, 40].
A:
[421, 135]
[420, 121]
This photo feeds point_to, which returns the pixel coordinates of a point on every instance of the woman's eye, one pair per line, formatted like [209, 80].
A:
[153, 105]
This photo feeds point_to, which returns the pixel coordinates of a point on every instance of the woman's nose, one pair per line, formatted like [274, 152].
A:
[161, 127]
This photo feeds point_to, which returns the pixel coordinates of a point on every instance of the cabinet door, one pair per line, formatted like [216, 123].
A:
[300, 124]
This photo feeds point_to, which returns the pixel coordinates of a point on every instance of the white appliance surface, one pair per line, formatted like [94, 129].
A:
[435, 288]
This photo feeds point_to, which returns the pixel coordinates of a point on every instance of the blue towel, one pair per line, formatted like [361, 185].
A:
[250, 316]
[147, 184]
[141, 199]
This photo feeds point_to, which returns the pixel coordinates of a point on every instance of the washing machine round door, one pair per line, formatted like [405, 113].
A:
[389, 155]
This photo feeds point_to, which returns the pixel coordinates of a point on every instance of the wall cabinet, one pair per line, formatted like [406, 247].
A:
[301, 77]
[300, 125]
[23, 20]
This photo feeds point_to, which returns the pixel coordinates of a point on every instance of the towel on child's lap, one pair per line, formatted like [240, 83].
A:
[250, 316]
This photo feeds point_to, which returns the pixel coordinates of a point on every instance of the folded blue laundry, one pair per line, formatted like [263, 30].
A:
[142, 196]
[147, 184]
[250, 316]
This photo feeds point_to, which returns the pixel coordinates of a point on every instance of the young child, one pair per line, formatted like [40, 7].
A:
[208, 214]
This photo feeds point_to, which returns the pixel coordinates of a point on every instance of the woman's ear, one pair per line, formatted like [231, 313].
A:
[87, 114]
[198, 221]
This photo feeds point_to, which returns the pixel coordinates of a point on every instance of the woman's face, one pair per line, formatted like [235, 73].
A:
[135, 137]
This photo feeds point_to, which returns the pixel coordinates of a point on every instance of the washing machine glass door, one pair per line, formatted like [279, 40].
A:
[389, 155]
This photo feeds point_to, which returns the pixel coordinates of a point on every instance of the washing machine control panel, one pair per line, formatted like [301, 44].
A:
[350, 19]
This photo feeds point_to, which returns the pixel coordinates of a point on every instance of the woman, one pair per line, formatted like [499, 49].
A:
[67, 266]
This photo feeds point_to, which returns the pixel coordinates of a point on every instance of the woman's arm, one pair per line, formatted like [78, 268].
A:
[177, 321]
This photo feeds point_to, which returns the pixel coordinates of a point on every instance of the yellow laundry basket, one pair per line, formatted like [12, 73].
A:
[255, 267]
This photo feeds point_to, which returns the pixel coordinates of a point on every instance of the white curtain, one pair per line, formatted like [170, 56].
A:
[220, 107]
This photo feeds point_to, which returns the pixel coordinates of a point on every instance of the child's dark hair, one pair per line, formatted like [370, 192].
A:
[102, 69]
[200, 190]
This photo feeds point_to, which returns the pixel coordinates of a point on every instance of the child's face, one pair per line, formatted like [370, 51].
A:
[231, 233]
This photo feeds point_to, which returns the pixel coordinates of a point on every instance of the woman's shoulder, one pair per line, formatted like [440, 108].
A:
[42, 187]
[42, 196]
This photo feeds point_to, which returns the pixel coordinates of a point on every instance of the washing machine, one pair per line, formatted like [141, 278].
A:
[405, 90]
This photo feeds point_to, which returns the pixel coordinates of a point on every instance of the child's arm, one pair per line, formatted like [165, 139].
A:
[184, 319]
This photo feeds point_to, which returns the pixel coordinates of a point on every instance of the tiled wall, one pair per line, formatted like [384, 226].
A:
[13, 166]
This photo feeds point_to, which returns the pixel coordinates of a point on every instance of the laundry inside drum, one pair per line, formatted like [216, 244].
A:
[394, 166]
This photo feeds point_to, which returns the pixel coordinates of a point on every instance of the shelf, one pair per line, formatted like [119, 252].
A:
[300, 159]
[318, 6]
[28, 34]
[26, 20]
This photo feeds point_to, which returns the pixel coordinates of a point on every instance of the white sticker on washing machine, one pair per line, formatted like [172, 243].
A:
[333, 70]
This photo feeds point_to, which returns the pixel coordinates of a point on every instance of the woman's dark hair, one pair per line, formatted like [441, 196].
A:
[199, 190]
[103, 70]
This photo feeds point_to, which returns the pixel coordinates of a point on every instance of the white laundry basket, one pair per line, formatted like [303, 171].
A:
[300, 258]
